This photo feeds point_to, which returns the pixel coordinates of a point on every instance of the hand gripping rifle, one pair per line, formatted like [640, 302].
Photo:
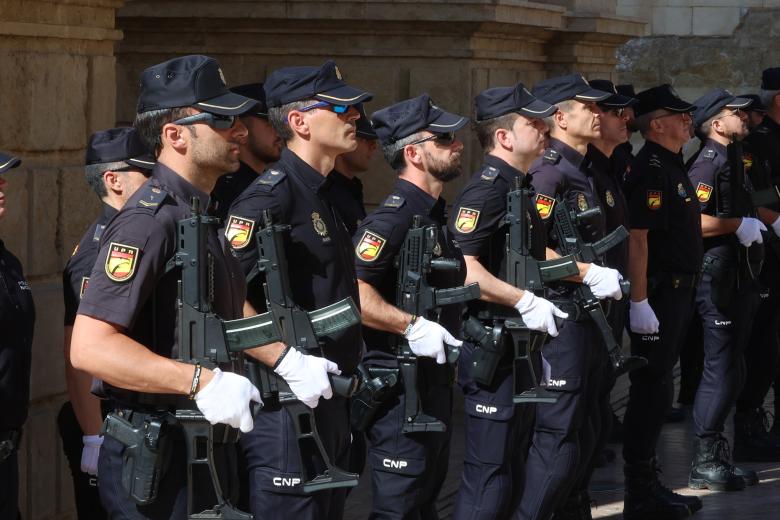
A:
[415, 295]
[524, 272]
[571, 243]
[300, 329]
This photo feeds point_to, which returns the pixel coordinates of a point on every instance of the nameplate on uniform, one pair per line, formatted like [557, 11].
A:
[394, 201]
[271, 177]
[489, 174]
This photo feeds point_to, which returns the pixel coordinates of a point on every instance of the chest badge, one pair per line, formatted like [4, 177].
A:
[437, 249]
[610, 199]
[654, 199]
[120, 262]
[747, 160]
[370, 246]
[582, 202]
[84, 285]
[681, 190]
[239, 231]
[467, 220]
[703, 192]
[544, 205]
[319, 224]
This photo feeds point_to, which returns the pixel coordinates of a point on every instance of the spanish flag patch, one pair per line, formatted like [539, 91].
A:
[467, 220]
[121, 261]
[654, 199]
[239, 231]
[544, 205]
[370, 246]
[703, 192]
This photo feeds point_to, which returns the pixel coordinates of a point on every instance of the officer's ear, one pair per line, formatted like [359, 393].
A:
[501, 138]
[111, 181]
[413, 155]
[559, 117]
[298, 123]
[174, 136]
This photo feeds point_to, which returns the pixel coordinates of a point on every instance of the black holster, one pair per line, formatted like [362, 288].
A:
[724, 280]
[489, 349]
[377, 385]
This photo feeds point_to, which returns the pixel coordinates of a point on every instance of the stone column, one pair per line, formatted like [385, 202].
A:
[58, 86]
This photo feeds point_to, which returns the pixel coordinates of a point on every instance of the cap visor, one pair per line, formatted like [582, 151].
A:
[228, 104]
[679, 106]
[7, 162]
[447, 122]
[618, 101]
[592, 94]
[538, 109]
[345, 95]
[739, 102]
[146, 162]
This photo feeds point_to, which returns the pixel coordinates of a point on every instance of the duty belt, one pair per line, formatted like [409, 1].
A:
[676, 280]
[9, 442]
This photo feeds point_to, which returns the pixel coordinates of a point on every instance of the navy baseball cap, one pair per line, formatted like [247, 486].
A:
[8, 162]
[255, 92]
[363, 126]
[713, 102]
[322, 83]
[563, 88]
[770, 79]
[414, 115]
[662, 97]
[496, 102]
[195, 81]
[756, 105]
[616, 99]
[118, 144]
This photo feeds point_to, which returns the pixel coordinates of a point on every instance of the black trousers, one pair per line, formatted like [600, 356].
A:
[762, 352]
[9, 487]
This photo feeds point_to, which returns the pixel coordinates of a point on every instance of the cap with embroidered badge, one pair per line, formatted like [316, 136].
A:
[414, 115]
[496, 102]
[711, 103]
[563, 88]
[195, 81]
[323, 83]
[255, 92]
[616, 99]
[770, 79]
[118, 144]
[8, 162]
[756, 105]
[662, 97]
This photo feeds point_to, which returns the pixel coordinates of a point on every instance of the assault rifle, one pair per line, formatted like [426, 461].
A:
[416, 296]
[300, 329]
[570, 242]
[524, 272]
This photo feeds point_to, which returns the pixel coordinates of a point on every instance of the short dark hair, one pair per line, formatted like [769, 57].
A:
[486, 130]
[149, 125]
[277, 116]
[394, 152]
[94, 175]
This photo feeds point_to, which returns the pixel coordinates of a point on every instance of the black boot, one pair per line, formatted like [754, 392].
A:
[575, 507]
[711, 468]
[691, 501]
[748, 475]
[752, 440]
[647, 499]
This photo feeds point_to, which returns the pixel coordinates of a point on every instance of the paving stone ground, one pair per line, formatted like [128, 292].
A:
[757, 502]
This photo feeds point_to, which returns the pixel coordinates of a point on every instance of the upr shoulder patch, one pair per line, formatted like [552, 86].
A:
[703, 192]
[544, 205]
[238, 231]
[121, 261]
[489, 174]
[370, 246]
[466, 222]
[551, 156]
[394, 201]
[271, 177]
[654, 199]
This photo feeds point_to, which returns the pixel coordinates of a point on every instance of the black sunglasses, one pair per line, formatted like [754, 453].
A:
[443, 139]
[217, 121]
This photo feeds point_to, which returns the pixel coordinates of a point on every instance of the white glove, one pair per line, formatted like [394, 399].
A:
[642, 319]
[749, 231]
[90, 453]
[538, 313]
[604, 282]
[307, 376]
[427, 339]
[226, 399]
[776, 226]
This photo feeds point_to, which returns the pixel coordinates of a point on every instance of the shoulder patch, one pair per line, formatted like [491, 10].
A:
[98, 232]
[544, 205]
[271, 177]
[394, 201]
[703, 192]
[83, 287]
[466, 222]
[747, 160]
[489, 173]
[121, 261]
[151, 197]
[708, 153]
[551, 156]
[238, 231]
[654, 199]
[370, 246]
[75, 250]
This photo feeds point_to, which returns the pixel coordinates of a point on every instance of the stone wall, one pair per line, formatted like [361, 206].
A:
[58, 86]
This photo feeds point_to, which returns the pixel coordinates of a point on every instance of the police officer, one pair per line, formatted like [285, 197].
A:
[564, 436]
[755, 111]
[510, 129]
[125, 330]
[313, 111]
[664, 260]
[117, 164]
[728, 296]
[418, 140]
[261, 147]
[17, 317]
[347, 191]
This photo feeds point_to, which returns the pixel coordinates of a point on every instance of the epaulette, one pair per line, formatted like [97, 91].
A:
[762, 130]
[654, 161]
[271, 177]
[708, 153]
[151, 197]
[488, 173]
[551, 156]
[394, 201]
[98, 232]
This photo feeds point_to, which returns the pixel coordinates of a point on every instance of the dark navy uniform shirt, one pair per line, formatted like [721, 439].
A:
[17, 318]
[379, 240]
[129, 285]
[75, 276]
[477, 222]
[607, 173]
[662, 200]
[318, 248]
[346, 195]
[229, 187]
